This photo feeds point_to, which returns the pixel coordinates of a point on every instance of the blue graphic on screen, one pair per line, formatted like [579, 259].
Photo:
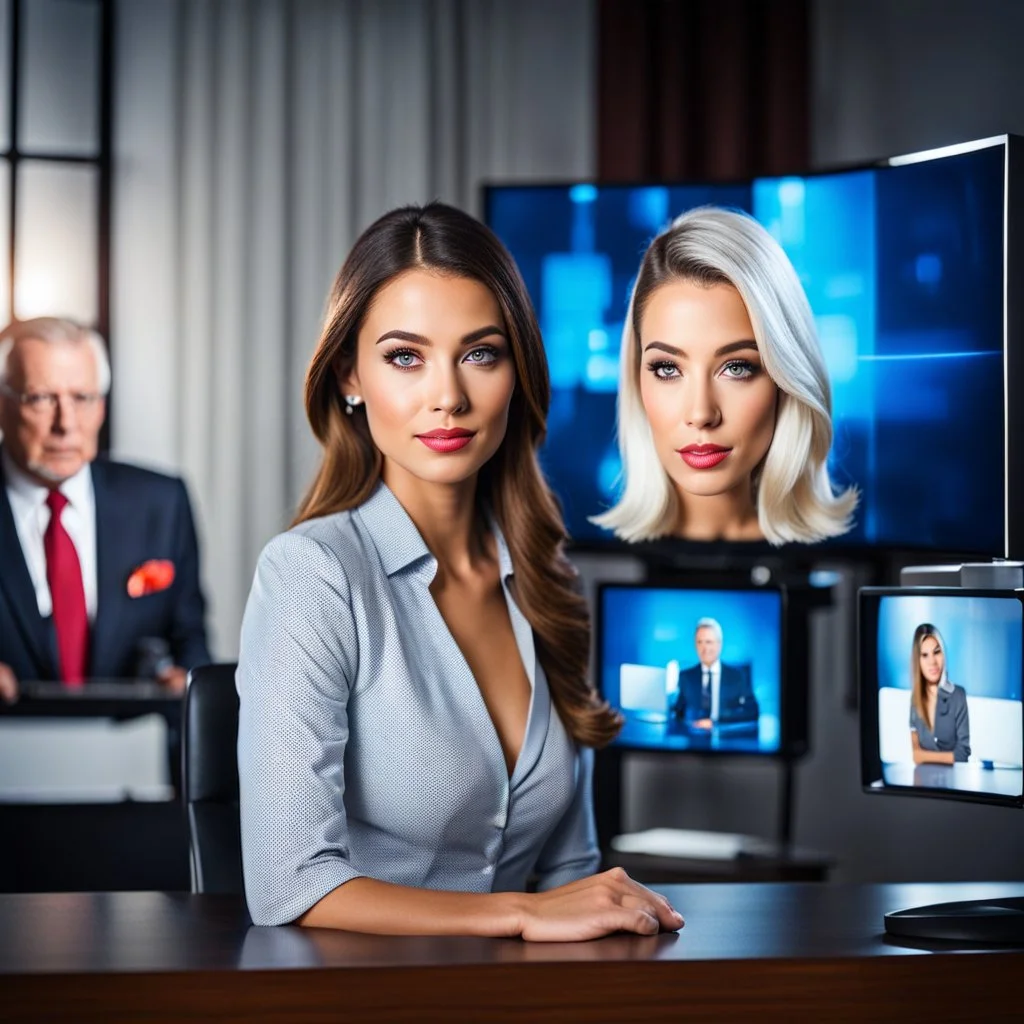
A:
[903, 267]
[977, 724]
[652, 670]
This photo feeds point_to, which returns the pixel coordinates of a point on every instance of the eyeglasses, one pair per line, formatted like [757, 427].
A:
[46, 403]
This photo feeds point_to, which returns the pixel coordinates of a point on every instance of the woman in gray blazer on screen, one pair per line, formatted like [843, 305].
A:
[415, 716]
[940, 727]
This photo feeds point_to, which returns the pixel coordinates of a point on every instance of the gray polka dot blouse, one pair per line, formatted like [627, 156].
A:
[364, 745]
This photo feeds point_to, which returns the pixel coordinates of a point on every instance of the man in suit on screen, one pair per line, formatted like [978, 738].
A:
[710, 692]
[100, 564]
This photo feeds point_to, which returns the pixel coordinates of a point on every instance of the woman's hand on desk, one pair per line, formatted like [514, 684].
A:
[587, 909]
[596, 906]
[8, 684]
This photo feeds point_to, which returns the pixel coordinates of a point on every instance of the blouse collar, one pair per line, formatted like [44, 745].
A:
[400, 544]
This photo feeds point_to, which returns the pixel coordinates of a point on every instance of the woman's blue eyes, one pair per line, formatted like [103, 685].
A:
[735, 369]
[663, 370]
[739, 369]
[407, 359]
[482, 356]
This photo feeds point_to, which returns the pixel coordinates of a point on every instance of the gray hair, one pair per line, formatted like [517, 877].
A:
[55, 330]
[708, 623]
[795, 498]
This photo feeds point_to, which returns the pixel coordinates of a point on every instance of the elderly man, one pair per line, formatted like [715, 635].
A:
[99, 566]
[711, 692]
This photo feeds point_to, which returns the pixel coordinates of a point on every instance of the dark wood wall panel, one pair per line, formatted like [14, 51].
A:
[702, 89]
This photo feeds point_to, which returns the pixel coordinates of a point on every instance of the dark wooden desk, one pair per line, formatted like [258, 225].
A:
[770, 952]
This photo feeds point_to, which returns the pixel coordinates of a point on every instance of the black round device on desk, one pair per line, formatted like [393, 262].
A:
[986, 921]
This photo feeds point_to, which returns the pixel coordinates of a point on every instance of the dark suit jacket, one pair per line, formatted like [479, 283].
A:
[140, 515]
[736, 700]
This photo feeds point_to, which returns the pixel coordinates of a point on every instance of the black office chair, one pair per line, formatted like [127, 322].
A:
[210, 777]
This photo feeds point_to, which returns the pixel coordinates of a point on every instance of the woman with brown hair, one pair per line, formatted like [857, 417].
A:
[415, 715]
[940, 727]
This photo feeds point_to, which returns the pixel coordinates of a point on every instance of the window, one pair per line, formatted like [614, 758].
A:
[55, 159]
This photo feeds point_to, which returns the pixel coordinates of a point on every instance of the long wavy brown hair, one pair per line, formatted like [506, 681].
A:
[918, 683]
[443, 239]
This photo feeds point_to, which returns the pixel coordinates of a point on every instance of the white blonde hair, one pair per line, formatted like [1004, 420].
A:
[54, 330]
[709, 623]
[795, 498]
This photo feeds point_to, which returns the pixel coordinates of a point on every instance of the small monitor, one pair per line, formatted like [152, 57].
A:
[940, 689]
[694, 669]
[941, 716]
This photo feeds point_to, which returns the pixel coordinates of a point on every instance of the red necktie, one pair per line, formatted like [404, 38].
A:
[64, 574]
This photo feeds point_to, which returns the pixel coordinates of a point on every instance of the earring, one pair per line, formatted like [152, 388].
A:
[351, 401]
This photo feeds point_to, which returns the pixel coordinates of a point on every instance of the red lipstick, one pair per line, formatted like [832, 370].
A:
[703, 456]
[444, 441]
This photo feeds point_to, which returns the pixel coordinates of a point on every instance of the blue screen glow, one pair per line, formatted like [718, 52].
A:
[977, 718]
[903, 267]
[648, 656]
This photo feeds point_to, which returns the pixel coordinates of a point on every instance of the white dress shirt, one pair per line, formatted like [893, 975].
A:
[32, 516]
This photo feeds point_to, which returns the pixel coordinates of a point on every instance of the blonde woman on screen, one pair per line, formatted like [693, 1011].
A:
[416, 721]
[724, 413]
[940, 727]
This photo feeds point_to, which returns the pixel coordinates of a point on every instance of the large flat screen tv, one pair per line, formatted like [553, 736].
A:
[913, 272]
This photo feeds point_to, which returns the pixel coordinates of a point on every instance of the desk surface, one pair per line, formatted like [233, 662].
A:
[967, 778]
[774, 951]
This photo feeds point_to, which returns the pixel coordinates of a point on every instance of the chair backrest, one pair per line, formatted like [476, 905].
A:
[996, 733]
[643, 688]
[894, 745]
[210, 779]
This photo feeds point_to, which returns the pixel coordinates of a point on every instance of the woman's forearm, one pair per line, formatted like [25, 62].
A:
[922, 756]
[585, 909]
[381, 908]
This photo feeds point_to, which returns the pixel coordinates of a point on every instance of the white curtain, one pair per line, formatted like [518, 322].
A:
[254, 139]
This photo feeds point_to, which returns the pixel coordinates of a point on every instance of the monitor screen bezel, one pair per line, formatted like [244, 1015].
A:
[868, 604]
[792, 743]
[1013, 348]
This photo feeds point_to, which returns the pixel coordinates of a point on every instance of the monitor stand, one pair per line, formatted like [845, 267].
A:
[607, 799]
[983, 921]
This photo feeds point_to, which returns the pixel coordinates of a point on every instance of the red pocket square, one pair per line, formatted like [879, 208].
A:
[151, 577]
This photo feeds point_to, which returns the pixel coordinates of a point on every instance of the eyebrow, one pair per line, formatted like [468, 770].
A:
[733, 346]
[419, 339]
